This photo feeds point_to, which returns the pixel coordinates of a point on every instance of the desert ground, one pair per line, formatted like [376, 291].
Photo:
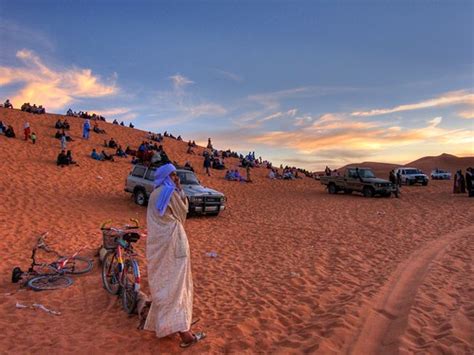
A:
[297, 271]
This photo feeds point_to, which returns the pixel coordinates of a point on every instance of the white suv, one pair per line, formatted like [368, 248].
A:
[411, 176]
[439, 174]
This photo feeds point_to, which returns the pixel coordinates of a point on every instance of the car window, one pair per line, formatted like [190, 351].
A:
[188, 178]
[150, 174]
[139, 171]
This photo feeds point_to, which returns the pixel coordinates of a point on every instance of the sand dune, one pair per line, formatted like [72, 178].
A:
[298, 270]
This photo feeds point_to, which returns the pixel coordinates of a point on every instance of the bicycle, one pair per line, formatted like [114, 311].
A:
[51, 276]
[120, 269]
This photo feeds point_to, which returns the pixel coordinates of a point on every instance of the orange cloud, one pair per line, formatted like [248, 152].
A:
[337, 133]
[51, 88]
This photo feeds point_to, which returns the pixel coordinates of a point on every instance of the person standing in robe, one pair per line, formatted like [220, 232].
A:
[169, 260]
[86, 128]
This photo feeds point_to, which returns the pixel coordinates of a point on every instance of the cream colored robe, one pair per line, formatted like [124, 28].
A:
[169, 267]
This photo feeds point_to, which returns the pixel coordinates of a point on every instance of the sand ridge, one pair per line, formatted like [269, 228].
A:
[297, 269]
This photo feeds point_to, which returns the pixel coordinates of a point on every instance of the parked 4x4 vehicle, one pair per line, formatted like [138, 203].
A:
[201, 199]
[360, 180]
[439, 174]
[411, 176]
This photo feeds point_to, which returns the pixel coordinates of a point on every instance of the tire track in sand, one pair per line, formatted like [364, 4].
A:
[385, 322]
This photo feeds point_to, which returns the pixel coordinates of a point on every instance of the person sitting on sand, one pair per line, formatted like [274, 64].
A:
[96, 129]
[190, 150]
[58, 124]
[2, 127]
[62, 159]
[169, 260]
[122, 124]
[131, 125]
[120, 153]
[115, 122]
[7, 104]
[10, 132]
[95, 155]
[112, 143]
[188, 166]
[58, 135]
[271, 175]
[69, 158]
[66, 124]
[129, 151]
[106, 156]
[33, 137]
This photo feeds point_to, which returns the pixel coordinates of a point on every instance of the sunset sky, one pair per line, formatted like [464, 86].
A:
[304, 83]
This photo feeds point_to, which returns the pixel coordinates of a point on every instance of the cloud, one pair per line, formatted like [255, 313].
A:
[208, 109]
[180, 81]
[54, 89]
[448, 99]
[467, 114]
[229, 75]
[333, 132]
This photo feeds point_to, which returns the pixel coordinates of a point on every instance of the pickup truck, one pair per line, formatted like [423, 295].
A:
[360, 180]
[202, 200]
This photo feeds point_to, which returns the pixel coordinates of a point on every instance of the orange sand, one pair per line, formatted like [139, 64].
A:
[298, 270]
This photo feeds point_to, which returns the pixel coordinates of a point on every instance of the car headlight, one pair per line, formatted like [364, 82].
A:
[222, 199]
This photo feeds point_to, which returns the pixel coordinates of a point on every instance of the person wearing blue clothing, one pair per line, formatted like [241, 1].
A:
[85, 129]
[95, 155]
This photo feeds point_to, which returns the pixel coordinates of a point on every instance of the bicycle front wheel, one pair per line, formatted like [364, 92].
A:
[111, 274]
[131, 286]
[49, 282]
[78, 265]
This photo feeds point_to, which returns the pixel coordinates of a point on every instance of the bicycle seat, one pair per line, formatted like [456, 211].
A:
[131, 237]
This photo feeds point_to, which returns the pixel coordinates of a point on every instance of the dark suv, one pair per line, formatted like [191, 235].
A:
[202, 200]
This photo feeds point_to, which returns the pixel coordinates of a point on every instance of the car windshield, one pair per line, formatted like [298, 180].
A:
[411, 171]
[188, 178]
[366, 173]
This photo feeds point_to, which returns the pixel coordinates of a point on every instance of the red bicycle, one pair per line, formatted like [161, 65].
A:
[50, 276]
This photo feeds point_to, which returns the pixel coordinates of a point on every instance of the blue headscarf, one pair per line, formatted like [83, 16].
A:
[162, 178]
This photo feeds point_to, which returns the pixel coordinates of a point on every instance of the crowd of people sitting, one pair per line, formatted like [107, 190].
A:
[62, 124]
[287, 174]
[26, 107]
[65, 158]
[102, 156]
[234, 175]
[85, 115]
[155, 137]
[123, 124]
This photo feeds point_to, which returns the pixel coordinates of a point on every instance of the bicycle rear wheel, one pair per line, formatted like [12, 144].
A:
[49, 282]
[111, 273]
[78, 265]
[131, 286]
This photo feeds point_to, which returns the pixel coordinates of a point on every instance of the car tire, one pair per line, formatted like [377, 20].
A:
[368, 191]
[425, 183]
[139, 196]
[332, 189]
[347, 191]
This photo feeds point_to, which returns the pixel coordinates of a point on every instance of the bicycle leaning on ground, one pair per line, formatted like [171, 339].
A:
[50, 276]
[120, 269]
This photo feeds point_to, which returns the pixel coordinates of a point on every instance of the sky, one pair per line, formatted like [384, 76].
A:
[301, 83]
